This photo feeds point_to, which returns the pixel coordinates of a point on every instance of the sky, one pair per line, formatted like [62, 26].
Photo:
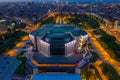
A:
[64, 0]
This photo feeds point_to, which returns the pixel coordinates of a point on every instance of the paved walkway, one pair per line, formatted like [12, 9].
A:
[9, 62]
[9, 65]
[97, 65]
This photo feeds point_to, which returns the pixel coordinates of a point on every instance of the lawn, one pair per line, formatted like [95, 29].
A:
[20, 69]
[10, 40]
[95, 57]
[110, 72]
[108, 42]
[89, 73]
[97, 75]
[20, 55]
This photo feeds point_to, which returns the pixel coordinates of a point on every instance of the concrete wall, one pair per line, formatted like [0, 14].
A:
[44, 48]
[70, 47]
[84, 39]
[32, 39]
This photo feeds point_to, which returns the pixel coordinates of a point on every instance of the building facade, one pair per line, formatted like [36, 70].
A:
[51, 39]
[58, 48]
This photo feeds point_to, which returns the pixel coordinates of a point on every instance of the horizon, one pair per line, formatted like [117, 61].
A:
[112, 1]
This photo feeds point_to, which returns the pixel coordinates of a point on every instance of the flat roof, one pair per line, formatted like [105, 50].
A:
[57, 39]
[58, 29]
[58, 59]
[57, 76]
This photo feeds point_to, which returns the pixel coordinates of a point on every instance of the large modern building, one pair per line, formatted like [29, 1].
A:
[58, 39]
[58, 48]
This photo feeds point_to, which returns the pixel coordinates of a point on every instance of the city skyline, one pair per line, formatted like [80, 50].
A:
[59, 40]
[62, 0]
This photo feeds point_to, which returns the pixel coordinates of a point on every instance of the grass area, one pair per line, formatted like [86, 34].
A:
[84, 26]
[96, 72]
[90, 46]
[20, 69]
[108, 42]
[20, 55]
[110, 72]
[48, 20]
[95, 57]
[10, 40]
[90, 73]
[86, 74]
[83, 20]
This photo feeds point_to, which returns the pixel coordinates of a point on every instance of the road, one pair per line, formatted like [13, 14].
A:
[63, 19]
[104, 55]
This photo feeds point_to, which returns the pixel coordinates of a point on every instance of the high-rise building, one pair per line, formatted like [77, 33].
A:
[117, 24]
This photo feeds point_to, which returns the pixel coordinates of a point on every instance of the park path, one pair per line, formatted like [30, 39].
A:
[104, 55]
[97, 65]
[9, 62]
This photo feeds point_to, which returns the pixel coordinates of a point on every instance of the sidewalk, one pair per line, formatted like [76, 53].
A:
[97, 66]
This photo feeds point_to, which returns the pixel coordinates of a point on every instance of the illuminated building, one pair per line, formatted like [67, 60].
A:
[59, 48]
[117, 24]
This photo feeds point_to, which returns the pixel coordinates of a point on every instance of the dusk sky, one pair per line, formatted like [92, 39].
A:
[64, 0]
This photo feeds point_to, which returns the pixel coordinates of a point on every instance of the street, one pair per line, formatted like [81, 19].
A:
[104, 55]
